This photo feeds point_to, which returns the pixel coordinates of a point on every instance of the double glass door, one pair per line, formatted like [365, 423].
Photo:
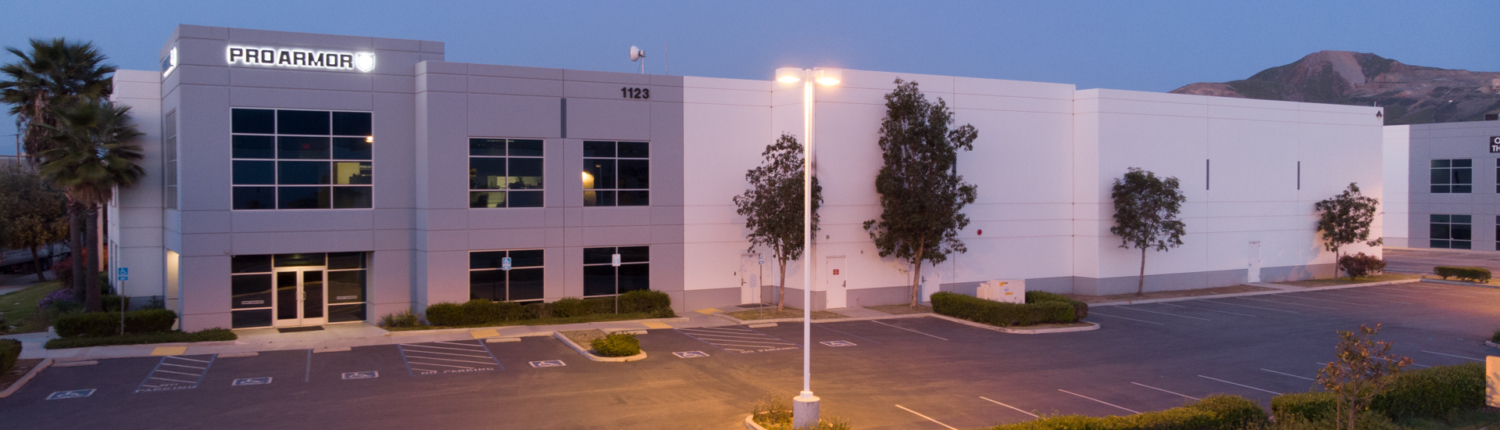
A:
[300, 296]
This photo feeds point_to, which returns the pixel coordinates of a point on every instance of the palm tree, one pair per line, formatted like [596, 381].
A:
[94, 153]
[56, 73]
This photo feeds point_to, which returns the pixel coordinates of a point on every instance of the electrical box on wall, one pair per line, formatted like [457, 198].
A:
[1005, 291]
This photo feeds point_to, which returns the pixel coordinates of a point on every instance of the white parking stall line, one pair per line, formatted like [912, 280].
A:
[447, 357]
[174, 357]
[178, 373]
[1093, 312]
[455, 360]
[1009, 406]
[1251, 307]
[172, 380]
[1162, 313]
[1165, 391]
[822, 326]
[1454, 356]
[1207, 309]
[1101, 401]
[1427, 290]
[1353, 296]
[1240, 385]
[730, 336]
[927, 418]
[907, 329]
[179, 365]
[740, 340]
[432, 353]
[1301, 296]
[1288, 374]
[1285, 303]
[418, 346]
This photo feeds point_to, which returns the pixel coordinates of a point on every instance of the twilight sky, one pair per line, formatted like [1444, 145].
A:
[1136, 45]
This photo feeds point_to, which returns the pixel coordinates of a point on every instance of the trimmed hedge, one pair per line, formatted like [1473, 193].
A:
[477, 312]
[101, 324]
[1476, 274]
[1220, 412]
[213, 334]
[617, 345]
[1428, 393]
[10, 350]
[1040, 308]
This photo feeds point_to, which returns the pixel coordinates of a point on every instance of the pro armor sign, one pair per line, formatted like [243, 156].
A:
[301, 58]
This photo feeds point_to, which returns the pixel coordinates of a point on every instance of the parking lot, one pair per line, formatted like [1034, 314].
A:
[922, 373]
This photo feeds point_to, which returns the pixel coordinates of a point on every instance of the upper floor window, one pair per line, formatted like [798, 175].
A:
[616, 173]
[505, 173]
[1451, 231]
[169, 158]
[1453, 176]
[297, 159]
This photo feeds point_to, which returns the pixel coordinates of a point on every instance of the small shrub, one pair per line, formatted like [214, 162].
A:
[1213, 413]
[775, 413]
[10, 350]
[1360, 265]
[155, 303]
[63, 271]
[599, 305]
[1312, 407]
[112, 303]
[61, 295]
[646, 301]
[445, 314]
[568, 308]
[1474, 274]
[1495, 337]
[403, 319]
[101, 324]
[536, 310]
[1433, 392]
[617, 345]
[1045, 309]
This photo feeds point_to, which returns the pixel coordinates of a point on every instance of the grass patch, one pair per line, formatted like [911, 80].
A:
[1346, 281]
[768, 313]
[1168, 294]
[15, 374]
[213, 334]
[19, 308]
[902, 309]
[539, 321]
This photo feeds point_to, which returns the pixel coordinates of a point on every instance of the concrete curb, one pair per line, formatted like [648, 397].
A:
[501, 327]
[1492, 344]
[1462, 283]
[24, 379]
[1092, 326]
[1256, 293]
[750, 423]
[592, 357]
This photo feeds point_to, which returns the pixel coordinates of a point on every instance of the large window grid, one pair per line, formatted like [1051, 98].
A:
[1452, 176]
[252, 285]
[294, 159]
[616, 173]
[488, 279]
[1451, 231]
[602, 278]
[505, 173]
[169, 158]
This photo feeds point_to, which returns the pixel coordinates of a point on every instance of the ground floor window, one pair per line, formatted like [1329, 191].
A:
[490, 278]
[603, 276]
[297, 289]
[1451, 231]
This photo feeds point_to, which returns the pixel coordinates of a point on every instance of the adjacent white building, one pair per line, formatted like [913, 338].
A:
[300, 179]
[1444, 185]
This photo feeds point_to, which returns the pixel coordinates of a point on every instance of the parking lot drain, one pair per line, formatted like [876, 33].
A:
[361, 375]
[837, 343]
[251, 381]
[690, 354]
[71, 394]
[548, 363]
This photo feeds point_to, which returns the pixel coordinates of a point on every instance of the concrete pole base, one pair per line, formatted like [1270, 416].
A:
[804, 409]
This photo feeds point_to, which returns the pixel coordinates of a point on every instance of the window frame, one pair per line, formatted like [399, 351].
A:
[169, 160]
[507, 157]
[542, 266]
[1448, 169]
[618, 189]
[276, 160]
[616, 272]
[1449, 223]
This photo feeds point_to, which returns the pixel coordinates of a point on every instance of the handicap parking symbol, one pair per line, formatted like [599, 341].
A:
[252, 381]
[838, 343]
[360, 375]
[548, 363]
[690, 354]
[71, 394]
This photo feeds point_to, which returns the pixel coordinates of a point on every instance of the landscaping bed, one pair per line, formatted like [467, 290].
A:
[1436, 397]
[583, 338]
[775, 413]
[902, 309]
[20, 311]
[633, 305]
[1346, 281]
[537, 321]
[770, 313]
[1236, 289]
[18, 372]
[210, 335]
[1040, 308]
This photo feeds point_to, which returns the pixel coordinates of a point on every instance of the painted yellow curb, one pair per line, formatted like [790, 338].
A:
[654, 324]
[481, 334]
[169, 350]
[709, 311]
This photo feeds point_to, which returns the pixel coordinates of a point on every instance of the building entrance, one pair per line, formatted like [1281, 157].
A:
[300, 296]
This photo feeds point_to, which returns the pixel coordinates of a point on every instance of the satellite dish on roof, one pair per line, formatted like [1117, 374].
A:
[636, 54]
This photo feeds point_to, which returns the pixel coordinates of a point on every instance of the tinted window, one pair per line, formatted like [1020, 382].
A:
[526, 148]
[485, 260]
[253, 121]
[635, 277]
[634, 254]
[487, 285]
[633, 150]
[352, 198]
[351, 148]
[524, 199]
[302, 172]
[251, 291]
[598, 149]
[525, 284]
[525, 173]
[346, 313]
[254, 172]
[302, 198]
[302, 122]
[599, 173]
[300, 260]
[635, 198]
[494, 147]
[351, 123]
[635, 174]
[254, 147]
[598, 280]
[346, 260]
[529, 258]
[250, 263]
[487, 173]
[302, 147]
[597, 255]
[247, 319]
[346, 286]
[255, 197]
[598, 198]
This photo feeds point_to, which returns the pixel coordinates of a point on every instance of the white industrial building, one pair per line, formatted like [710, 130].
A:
[288, 186]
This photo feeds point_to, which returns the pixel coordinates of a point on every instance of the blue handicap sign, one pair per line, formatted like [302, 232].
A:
[690, 354]
[505, 263]
[362, 375]
[124, 274]
[251, 381]
[838, 343]
[71, 394]
[548, 363]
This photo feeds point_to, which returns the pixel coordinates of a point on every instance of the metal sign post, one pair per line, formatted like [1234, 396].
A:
[614, 260]
[123, 276]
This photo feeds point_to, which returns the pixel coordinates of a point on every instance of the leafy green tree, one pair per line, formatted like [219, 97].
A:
[95, 153]
[35, 210]
[1346, 219]
[56, 73]
[1364, 369]
[921, 193]
[1146, 210]
[773, 205]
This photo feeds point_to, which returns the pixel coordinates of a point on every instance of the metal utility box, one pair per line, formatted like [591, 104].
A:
[1007, 291]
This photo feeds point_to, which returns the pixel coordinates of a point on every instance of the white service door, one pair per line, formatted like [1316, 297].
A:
[750, 274]
[1254, 269]
[837, 284]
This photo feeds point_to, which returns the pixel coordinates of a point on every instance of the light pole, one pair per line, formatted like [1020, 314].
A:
[805, 406]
